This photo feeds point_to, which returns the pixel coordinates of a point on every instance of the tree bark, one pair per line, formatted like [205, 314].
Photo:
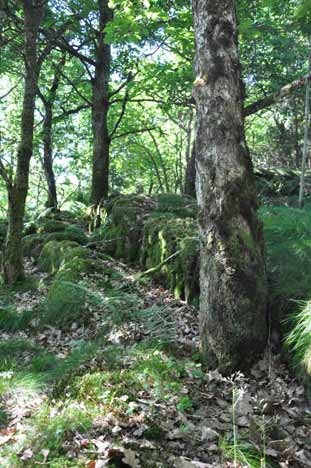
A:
[233, 278]
[100, 109]
[13, 269]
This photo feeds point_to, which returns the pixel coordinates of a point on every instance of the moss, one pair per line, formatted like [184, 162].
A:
[123, 230]
[181, 206]
[50, 225]
[68, 303]
[71, 233]
[55, 253]
[125, 224]
[73, 269]
[33, 244]
[162, 238]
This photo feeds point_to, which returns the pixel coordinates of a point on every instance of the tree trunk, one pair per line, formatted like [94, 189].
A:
[48, 156]
[305, 141]
[100, 109]
[190, 175]
[48, 103]
[233, 278]
[13, 256]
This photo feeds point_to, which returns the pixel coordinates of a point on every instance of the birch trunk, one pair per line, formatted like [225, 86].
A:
[233, 278]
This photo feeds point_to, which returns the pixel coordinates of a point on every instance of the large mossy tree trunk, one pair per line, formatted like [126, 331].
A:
[232, 278]
[13, 269]
[100, 109]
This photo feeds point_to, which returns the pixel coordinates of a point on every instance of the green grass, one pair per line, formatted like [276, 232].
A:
[67, 303]
[288, 244]
[12, 321]
[298, 339]
[244, 454]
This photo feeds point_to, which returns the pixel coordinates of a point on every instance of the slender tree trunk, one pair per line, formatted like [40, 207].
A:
[48, 156]
[190, 175]
[100, 109]
[297, 158]
[162, 164]
[13, 256]
[233, 278]
[48, 103]
[305, 141]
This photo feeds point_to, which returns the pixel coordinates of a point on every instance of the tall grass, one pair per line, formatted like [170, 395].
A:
[288, 242]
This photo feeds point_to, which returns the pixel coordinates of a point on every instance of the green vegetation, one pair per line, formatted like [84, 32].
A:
[93, 351]
[164, 237]
[68, 303]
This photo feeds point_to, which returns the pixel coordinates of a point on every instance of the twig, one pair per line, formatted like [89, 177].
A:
[158, 267]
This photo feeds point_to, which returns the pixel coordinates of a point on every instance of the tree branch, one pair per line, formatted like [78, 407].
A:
[8, 92]
[134, 132]
[85, 99]
[129, 78]
[70, 112]
[117, 125]
[273, 98]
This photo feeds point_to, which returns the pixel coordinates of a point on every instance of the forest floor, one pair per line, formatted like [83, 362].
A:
[126, 388]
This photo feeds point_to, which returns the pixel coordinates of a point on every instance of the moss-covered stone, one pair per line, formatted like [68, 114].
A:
[50, 225]
[123, 231]
[33, 245]
[74, 269]
[164, 237]
[55, 253]
[71, 233]
[181, 206]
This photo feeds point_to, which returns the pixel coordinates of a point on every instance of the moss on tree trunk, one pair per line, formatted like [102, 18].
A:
[232, 278]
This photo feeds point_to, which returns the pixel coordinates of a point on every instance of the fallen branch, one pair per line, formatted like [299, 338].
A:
[159, 266]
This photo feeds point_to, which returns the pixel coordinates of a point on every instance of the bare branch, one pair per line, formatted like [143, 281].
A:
[8, 92]
[85, 99]
[66, 113]
[117, 125]
[134, 132]
[129, 78]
